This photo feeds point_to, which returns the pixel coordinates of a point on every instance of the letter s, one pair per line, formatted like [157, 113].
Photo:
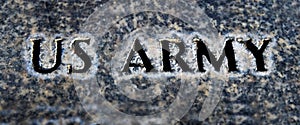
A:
[81, 54]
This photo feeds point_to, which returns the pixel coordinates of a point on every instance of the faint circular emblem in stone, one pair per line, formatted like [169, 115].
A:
[146, 93]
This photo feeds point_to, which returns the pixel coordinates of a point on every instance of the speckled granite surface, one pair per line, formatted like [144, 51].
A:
[250, 99]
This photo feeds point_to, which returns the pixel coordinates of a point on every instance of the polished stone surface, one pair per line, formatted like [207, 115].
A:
[249, 99]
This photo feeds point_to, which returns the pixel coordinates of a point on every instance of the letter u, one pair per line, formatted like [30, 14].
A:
[36, 53]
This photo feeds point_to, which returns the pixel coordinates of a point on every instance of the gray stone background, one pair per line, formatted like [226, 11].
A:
[272, 99]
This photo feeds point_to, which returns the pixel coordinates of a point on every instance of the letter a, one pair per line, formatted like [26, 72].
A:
[137, 47]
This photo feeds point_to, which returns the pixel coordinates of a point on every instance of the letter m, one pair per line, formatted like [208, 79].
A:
[227, 51]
